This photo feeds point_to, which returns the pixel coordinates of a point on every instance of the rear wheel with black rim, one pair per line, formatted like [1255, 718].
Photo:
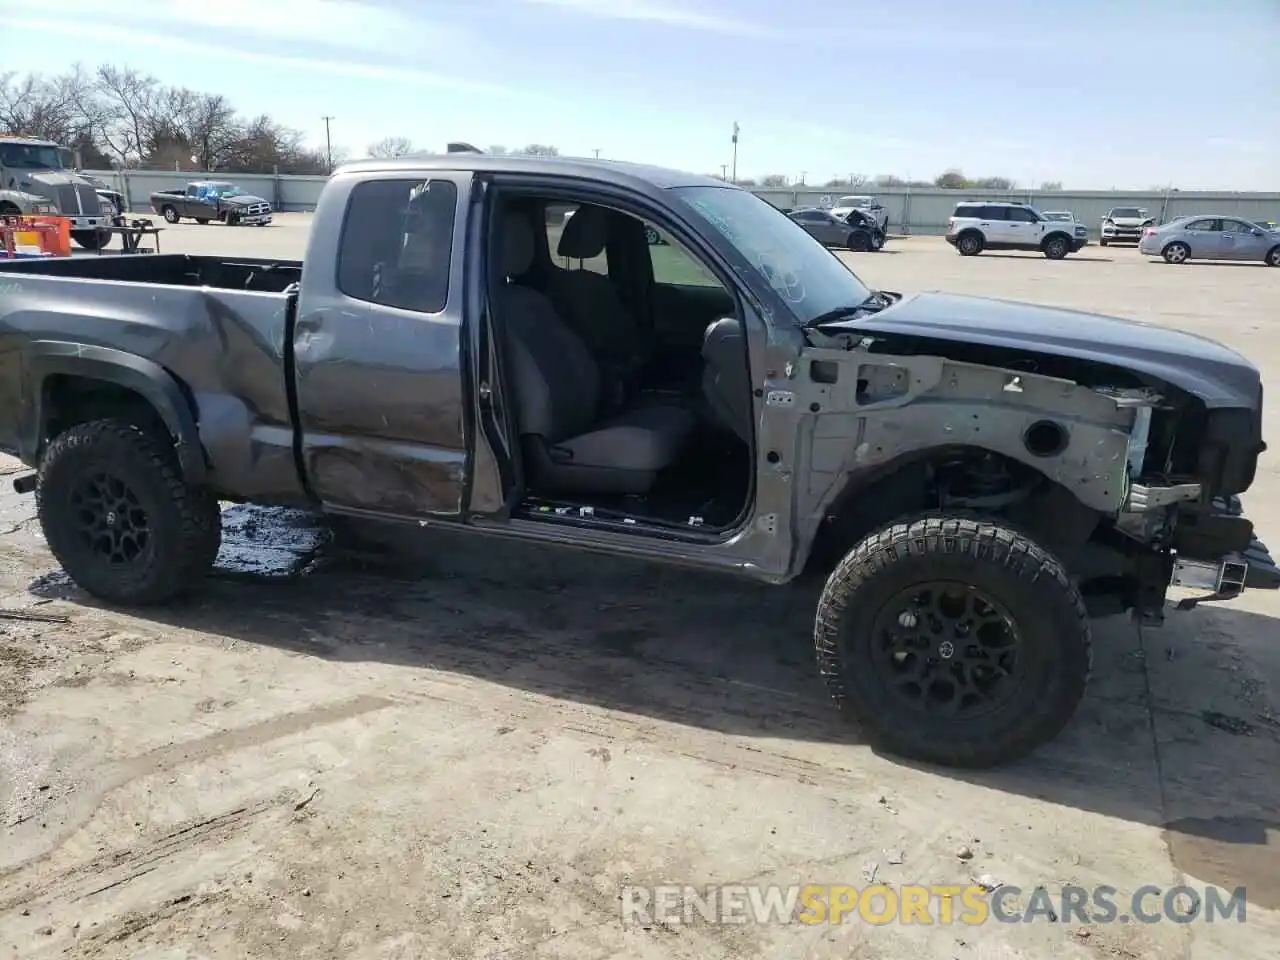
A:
[170, 214]
[953, 640]
[118, 516]
[969, 244]
[1272, 258]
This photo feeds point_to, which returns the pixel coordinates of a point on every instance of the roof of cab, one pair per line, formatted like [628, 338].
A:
[26, 141]
[615, 172]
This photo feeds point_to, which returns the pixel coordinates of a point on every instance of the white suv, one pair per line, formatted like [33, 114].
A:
[979, 225]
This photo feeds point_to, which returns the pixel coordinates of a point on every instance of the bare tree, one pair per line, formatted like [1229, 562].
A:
[48, 108]
[389, 147]
[540, 150]
[774, 180]
[1051, 186]
[497, 150]
[852, 182]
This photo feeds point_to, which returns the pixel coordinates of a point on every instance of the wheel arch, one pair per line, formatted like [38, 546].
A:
[1056, 233]
[47, 362]
[869, 499]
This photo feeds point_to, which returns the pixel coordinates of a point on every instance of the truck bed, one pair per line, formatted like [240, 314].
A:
[220, 327]
[168, 269]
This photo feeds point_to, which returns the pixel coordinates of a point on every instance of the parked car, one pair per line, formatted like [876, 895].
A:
[1124, 225]
[979, 475]
[206, 200]
[872, 207]
[834, 232]
[1212, 238]
[978, 225]
[34, 180]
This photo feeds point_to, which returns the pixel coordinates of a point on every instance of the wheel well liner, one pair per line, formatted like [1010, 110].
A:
[159, 389]
[891, 490]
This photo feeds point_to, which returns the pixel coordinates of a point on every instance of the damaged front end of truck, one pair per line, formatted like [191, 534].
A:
[1121, 448]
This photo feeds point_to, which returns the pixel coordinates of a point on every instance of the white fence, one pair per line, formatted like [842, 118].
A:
[914, 211]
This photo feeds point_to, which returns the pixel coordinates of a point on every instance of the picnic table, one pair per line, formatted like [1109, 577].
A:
[132, 233]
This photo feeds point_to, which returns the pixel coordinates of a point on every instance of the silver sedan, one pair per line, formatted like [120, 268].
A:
[1212, 238]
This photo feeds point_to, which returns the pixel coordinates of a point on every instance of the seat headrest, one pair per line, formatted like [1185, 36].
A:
[586, 233]
[517, 243]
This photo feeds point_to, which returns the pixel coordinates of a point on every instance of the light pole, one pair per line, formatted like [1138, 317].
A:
[724, 171]
[597, 152]
[328, 142]
[735, 151]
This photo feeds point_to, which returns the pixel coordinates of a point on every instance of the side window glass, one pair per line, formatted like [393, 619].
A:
[1022, 216]
[559, 217]
[1200, 225]
[674, 265]
[995, 213]
[1235, 226]
[968, 211]
[396, 246]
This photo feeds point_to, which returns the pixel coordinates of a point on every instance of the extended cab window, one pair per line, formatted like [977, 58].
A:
[397, 243]
[568, 254]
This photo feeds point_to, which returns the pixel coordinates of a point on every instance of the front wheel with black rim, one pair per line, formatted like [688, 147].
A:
[1176, 253]
[859, 242]
[953, 640]
[1273, 256]
[118, 516]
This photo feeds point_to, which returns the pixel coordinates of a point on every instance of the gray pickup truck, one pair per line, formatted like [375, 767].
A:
[205, 200]
[973, 478]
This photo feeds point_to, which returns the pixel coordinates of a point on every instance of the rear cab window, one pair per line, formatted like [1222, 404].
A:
[396, 246]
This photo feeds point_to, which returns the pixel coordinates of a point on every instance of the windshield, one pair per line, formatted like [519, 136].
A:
[225, 190]
[1127, 212]
[781, 253]
[853, 202]
[30, 156]
[1054, 215]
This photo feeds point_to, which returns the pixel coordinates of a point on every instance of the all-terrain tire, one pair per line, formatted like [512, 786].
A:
[977, 554]
[183, 523]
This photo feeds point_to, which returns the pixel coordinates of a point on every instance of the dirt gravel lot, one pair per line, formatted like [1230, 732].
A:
[470, 755]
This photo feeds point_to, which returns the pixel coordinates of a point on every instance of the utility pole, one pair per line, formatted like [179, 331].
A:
[735, 151]
[597, 152]
[724, 171]
[328, 142]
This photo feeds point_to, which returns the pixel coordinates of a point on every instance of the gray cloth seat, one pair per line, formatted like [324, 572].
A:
[556, 388]
[726, 381]
[589, 301]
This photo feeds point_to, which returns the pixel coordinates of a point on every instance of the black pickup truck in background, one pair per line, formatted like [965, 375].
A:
[206, 200]
[735, 400]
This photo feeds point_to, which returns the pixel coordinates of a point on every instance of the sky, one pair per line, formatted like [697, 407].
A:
[1093, 93]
